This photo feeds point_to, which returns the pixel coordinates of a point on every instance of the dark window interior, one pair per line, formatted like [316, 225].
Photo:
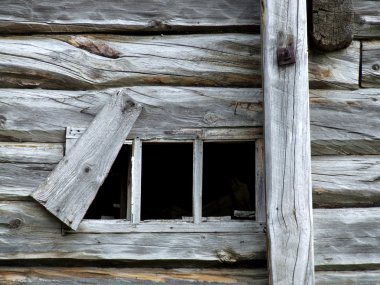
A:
[167, 170]
[110, 202]
[166, 182]
[228, 178]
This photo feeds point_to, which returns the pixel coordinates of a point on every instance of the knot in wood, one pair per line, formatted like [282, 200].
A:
[286, 55]
[87, 169]
[376, 67]
[15, 223]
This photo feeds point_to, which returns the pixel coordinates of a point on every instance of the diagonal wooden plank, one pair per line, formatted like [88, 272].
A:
[70, 188]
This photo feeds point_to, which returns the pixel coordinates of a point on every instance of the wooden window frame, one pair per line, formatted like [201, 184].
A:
[197, 223]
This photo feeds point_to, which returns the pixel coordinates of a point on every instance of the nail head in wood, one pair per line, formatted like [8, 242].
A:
[286, 55]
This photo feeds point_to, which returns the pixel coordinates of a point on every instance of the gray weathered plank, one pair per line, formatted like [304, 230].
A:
[197, 180]
[370, 72]
[141, 276]
[346, 181]
[133, 16]
[192, 60]
[98, 61]
[367, 277]
[347, 237]
[136, 165]
[343, 237]
[29, 232]
[367, 19]
[287, 144]
[332, 24]
[70, 188]
[335, 70]
[342, 122]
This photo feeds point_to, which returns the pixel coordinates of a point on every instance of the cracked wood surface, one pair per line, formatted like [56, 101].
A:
[343, 237]
[70, 188]
[287, 144]
[342, 122]
[102, 61]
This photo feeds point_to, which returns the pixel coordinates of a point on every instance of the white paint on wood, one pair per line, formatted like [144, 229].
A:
[197, 180]
[261, 214]
[287, 144]
[70, 188]
[136, 181]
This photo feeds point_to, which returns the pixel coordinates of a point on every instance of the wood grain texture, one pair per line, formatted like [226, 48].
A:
[342, 122]
[336, 69]
[168, 111]
[346, 181]
[260, 192]
[287, 144]
[134, 16]
[29, 232]
[46, 153]
[70, 188]
[343, 235]
[69, 62]
[197, 180]
[370, 72]
[143, 276]
[332, 24]
[367, 19]
[368, 277]
[102, 61]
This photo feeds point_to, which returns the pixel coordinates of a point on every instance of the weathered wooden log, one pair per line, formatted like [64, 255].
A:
[367, 19]
[88, 62]
[370, 71]
[346, 181]
[347, 237]
[335, 70]
[347, 277]
[342, 122]
[332, 24]
[134, 16]
[140, 276]
[93, 62]
[343, 237]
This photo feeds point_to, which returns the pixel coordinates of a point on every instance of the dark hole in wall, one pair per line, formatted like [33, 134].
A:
[110, 202]
[228, 178]
[166, 182]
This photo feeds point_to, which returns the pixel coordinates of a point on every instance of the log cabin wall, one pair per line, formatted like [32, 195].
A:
[59, 65]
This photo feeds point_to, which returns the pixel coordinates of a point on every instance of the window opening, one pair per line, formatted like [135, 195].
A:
[111, 199]
[166, 180]
[228, 179]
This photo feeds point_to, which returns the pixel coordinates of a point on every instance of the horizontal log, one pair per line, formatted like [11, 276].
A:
[367, 19]
[46, 153]
[346, 181]
[370, 72]
[335, 70]
[93, 62]
[343, 237]
[342, 122]
[152, 276]
[143, 276]
[94, 16]
[100, 61]
[29, 232]
[347, 238]
[347, 277]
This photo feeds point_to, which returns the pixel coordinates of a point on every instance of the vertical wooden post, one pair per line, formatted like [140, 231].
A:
[136, 181]
[287, 142]
[197, 180]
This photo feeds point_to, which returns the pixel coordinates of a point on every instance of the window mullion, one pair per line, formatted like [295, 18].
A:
[136, 181]
[260, 181]
[197, 180]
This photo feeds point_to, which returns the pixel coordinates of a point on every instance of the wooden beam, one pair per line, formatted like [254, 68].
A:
[287, 142]
[70, 188]
[332, 24]
[370, 71]
[136, 181]
[367, 19]
[71, 16]
[197, 180]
